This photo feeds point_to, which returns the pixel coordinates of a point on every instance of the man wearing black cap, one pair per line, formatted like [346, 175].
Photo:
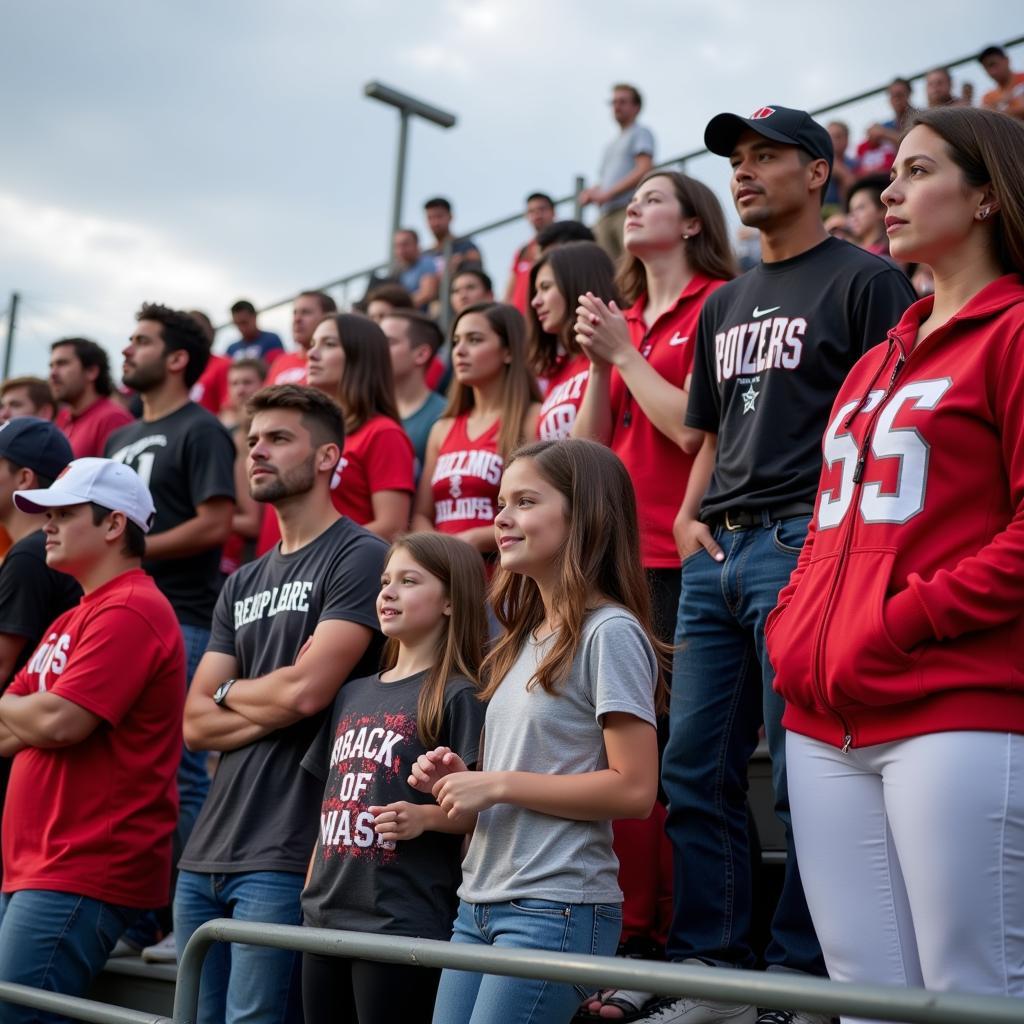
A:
[33, 453]
[773, 347]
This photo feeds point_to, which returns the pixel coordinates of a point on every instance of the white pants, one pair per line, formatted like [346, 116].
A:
[912, 859]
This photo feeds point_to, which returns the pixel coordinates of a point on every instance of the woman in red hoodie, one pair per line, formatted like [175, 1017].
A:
[899, 641]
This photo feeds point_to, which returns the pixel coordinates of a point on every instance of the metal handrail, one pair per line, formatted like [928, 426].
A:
[772, 989]
[75, 1007]
[347, 279]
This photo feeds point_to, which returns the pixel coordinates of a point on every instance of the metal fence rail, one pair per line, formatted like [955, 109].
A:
[72, 1006]
[777, 989]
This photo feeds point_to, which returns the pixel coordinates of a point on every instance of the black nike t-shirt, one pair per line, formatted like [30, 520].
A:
[262, 810]
[184, 458]
[362, 757]
[773, 347]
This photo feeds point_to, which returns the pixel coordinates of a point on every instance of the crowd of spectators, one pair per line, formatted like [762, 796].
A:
[202, 562]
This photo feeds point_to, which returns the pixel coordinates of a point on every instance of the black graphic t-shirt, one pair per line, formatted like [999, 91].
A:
[773, 347]
[261, 812]
[362, 758]
[184, 459]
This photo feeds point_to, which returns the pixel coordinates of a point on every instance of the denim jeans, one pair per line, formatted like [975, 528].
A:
[57, 941]
[523, 924]
[721, 693]
[252, 983]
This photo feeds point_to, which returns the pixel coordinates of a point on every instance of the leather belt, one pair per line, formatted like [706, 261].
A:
[749, 518]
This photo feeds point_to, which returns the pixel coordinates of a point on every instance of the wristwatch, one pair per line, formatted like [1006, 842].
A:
[221, 693]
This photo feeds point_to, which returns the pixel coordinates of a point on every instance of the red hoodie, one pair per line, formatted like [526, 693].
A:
[905, 613]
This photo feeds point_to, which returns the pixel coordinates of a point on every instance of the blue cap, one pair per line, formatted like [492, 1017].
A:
[35, 444]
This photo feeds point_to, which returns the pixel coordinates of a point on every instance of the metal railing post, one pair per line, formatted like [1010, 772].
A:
[74, 1006]
[758, 988]
[577, 206]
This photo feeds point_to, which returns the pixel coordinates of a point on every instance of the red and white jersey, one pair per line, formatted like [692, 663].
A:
[566, 385]
[905, 614]
[658, 467]
[466, 478]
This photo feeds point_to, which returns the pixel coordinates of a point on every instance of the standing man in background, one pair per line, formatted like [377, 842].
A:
[627, 158]
[540, 213]
[254, 342]
[80, 378]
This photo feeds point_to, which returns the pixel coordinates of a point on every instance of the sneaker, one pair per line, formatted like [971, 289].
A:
[793, 1017]
[689, 1010]
[125, 947]
[163, 952]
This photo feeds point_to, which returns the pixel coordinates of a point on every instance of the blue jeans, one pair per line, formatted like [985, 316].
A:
[523, 924]
[56, 941]
[721, 693]
[252, 983]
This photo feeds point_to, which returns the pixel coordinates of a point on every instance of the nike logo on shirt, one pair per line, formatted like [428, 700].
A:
[678, 339]
[763, 312]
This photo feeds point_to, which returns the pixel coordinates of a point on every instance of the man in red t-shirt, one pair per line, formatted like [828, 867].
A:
[80, 378]
[309, 309]
[93, 722]
[540, 212]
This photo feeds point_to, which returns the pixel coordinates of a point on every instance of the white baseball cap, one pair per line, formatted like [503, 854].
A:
[108, 483]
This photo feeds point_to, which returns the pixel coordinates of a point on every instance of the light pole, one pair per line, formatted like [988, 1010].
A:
[406, 106]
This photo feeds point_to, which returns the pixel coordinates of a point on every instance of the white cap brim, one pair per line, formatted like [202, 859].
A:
[35, 502]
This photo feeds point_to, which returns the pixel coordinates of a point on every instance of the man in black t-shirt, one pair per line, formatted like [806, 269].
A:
[773, 348]
[288, 630]
[33, 453]
[186, 459]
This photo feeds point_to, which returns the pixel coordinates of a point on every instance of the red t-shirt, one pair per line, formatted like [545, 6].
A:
[96, 818]
[466, 478]
[211, 390]
[521, 267]
[566, 385]
[288, 369]
[658, 467]
[87, 432]
[377, 457]
[434, 374]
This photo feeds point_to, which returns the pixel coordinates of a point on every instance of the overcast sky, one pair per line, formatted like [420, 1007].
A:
[197, 151]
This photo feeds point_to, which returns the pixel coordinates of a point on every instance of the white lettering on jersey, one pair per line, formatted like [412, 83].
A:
[289, 597]
[463, 508]
[751, 348]
[374, 744]
[50, 656]
[338, 470]
[487, 466]
[558, 413]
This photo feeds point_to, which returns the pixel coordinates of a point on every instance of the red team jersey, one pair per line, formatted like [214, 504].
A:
[96, 818]
[211, 390]
[563, 395]
[466, 478]
[658, 467]
[521, 267]
[288, 369]
[377, 457]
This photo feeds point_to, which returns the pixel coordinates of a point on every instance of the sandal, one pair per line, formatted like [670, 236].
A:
[629, 1001]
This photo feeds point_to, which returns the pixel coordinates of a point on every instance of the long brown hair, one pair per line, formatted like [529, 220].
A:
[989, 148]
[708, 252]
[520, 389]
[577, 267]
[601, 554]
[460, 647]
[367, 386]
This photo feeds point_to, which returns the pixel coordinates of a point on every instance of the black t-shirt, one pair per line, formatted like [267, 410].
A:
[362, 757]
[773, 347]
[184, 458]
[32, 595]
[261, 812]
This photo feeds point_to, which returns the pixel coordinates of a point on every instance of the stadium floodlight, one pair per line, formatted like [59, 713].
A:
[407, 106]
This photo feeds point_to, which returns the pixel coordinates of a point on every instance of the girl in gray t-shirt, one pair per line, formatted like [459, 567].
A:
[569, 739]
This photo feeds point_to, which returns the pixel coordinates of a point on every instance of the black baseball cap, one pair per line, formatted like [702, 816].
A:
[35, 444]
[780, 124]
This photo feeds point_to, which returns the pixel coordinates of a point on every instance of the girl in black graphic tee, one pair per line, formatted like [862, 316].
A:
[387, 859]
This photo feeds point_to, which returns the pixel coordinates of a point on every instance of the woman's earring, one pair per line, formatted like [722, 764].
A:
[983, 212]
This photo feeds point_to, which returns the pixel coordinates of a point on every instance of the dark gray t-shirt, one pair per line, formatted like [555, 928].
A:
[261, 812]
[361, 758]
[184, 458]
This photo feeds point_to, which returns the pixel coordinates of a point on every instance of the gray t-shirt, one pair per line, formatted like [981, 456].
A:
[517, 853]
[620, 157]
[261, 812]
